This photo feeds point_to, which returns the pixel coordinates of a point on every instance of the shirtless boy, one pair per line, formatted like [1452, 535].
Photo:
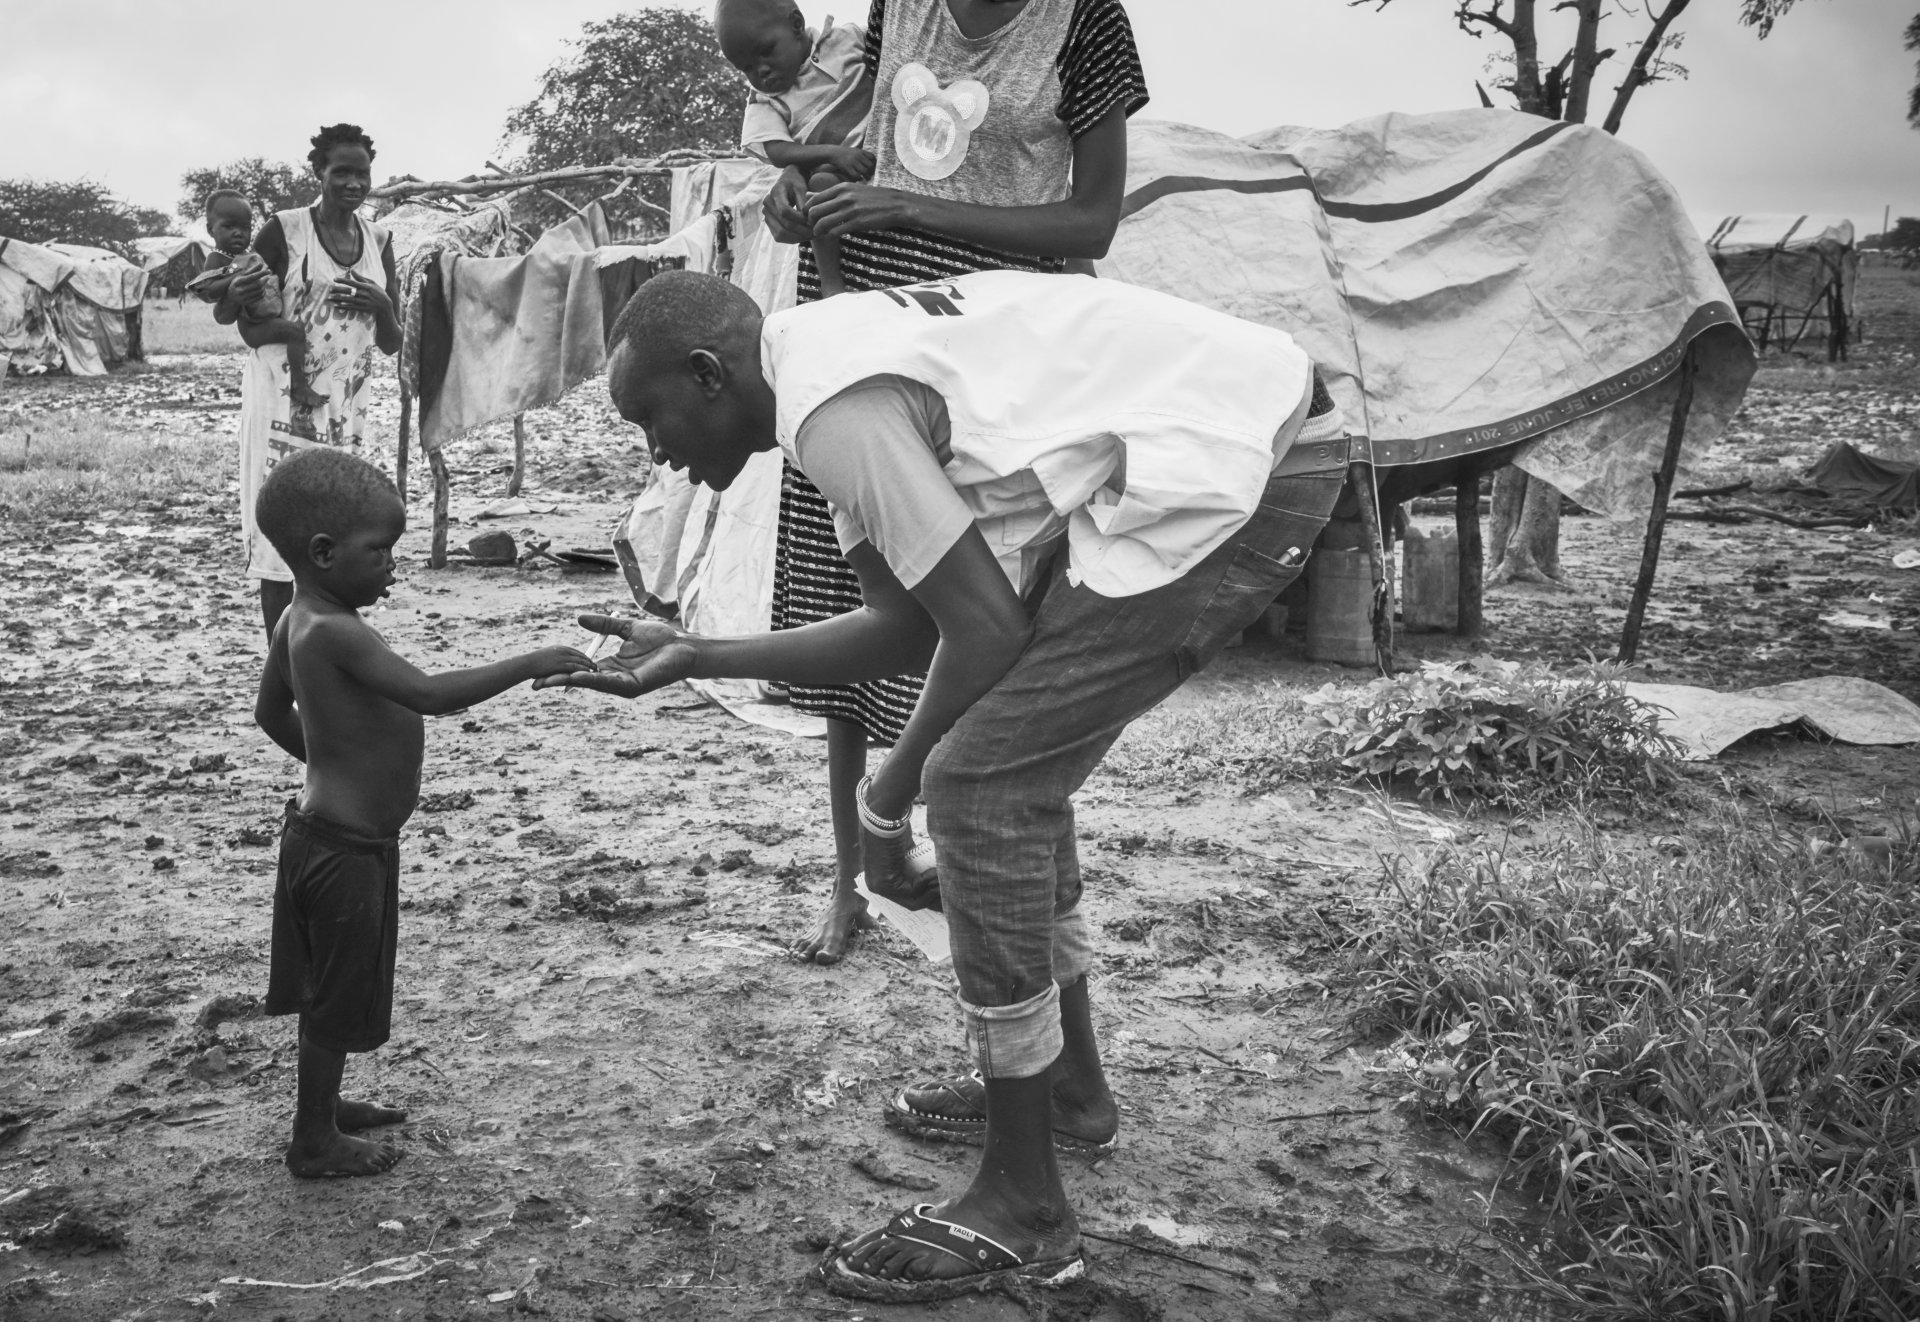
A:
[230, 224]
[336, 698]
[811, 95]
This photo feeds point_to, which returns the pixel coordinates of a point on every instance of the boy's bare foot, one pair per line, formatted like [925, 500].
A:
[364, 1115]
[846, 914]
[337, 1154]
[306, 396]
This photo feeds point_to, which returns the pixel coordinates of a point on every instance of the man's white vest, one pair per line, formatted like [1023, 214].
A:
[1150, 422]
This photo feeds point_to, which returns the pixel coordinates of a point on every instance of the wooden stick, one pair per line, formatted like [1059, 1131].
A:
[437, 557]
[1360, 474]
[406, 430]
[1657, 516]
[1702, 493]
[1163, 1253]
[519, 454]
[1470, 620]
[574, 174]
[1832, 521]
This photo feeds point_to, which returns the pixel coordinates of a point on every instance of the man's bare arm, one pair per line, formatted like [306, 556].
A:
[983, 628]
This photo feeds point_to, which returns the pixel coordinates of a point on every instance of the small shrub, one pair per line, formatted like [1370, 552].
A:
[1499, 732]
[1710, 1065]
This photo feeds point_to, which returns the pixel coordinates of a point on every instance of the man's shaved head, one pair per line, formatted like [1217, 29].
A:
[669, 317]
[683, 361]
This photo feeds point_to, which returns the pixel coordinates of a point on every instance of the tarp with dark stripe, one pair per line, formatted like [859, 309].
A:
[1473, 282]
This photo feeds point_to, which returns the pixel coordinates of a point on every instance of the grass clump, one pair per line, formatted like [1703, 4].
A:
[74, 465]
[1711, 1064]
[1498, 732]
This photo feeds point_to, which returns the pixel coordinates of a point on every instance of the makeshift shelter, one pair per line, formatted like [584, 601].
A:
[1790, 276]
[64, 305]
[1478, 287]
[170, 260]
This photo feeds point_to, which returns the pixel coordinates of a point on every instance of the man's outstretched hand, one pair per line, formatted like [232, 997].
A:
[652, 655]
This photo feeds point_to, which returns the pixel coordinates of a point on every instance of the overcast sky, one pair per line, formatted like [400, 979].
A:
[132, 93]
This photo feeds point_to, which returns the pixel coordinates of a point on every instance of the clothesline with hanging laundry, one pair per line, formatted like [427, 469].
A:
[412, 189]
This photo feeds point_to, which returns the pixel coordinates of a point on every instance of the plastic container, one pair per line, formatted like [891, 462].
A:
[1340, 608]
[1430, 590]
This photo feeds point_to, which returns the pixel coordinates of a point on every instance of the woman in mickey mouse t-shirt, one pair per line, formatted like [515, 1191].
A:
[1000, 139]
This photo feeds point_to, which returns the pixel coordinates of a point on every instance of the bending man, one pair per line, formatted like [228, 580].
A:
[1062, 496]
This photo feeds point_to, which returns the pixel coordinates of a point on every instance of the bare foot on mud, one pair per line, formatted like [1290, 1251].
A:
[364, 1115]
[846, 913]
[339, 1155]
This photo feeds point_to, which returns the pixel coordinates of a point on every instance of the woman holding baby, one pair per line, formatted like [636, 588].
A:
[1000, 142]
[335, 274]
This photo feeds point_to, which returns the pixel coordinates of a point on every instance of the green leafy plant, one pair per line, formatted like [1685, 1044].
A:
[1501, 732]
[1708, 1062]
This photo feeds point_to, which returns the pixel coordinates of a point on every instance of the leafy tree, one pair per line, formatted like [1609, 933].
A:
[638, 84]
[1913, 97]
[80, 211]
[270, 185]
[148, 222]
[1524, 540]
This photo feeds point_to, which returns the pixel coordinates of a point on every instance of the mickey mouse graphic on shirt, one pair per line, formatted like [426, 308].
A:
[935, 124]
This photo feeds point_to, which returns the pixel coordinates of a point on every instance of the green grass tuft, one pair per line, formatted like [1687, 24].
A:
[1711, 1063]
[77, 464]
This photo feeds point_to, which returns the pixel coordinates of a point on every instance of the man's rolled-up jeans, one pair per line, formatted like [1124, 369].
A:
[999, 787]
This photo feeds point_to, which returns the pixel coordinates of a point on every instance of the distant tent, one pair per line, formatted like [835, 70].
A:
[170, 260]
[1789, 275]
[64, 305]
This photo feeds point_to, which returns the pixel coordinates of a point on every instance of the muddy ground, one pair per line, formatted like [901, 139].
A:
[626, 1100]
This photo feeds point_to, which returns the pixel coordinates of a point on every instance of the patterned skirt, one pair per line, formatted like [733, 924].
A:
[811, 581]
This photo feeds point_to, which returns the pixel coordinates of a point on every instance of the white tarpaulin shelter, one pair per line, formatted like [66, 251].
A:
[1469, 282]
[170, 260]
[66, 305]
[1473, 284]
[1789, 275]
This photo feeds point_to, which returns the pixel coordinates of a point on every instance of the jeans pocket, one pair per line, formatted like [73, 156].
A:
[1251, 581]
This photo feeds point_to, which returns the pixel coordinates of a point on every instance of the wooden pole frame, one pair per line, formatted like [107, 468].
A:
[406, 431]
[519, 454]
[1360, 474]
[1657, 516]
[1470, 618]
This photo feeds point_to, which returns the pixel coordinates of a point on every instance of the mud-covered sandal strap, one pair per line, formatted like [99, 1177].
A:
[978, 1251]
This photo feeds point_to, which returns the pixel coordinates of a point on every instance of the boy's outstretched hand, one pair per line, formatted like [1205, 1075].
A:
[652, 655]
[556, 663]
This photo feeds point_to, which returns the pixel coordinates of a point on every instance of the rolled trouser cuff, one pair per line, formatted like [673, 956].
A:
[1072, 947]
[1015, 1041]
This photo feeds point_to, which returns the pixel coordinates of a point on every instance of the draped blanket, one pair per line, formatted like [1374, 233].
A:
[1473, 284]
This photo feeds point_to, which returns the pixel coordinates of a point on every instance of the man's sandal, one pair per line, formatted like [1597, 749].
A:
[994, 1265]
[969, 1096]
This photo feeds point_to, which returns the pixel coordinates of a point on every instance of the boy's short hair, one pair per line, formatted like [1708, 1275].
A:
[318, 490]
[219, 195]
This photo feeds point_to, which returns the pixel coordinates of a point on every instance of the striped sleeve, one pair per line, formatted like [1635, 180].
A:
[876, 24]
[1099, 65]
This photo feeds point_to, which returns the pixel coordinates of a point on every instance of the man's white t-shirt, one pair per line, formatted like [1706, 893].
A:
[1142, 426]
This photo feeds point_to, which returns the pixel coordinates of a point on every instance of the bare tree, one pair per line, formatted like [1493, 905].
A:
[1524, 540]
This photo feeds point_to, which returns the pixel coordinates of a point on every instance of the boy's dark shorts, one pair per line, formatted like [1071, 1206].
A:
[335, 917]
